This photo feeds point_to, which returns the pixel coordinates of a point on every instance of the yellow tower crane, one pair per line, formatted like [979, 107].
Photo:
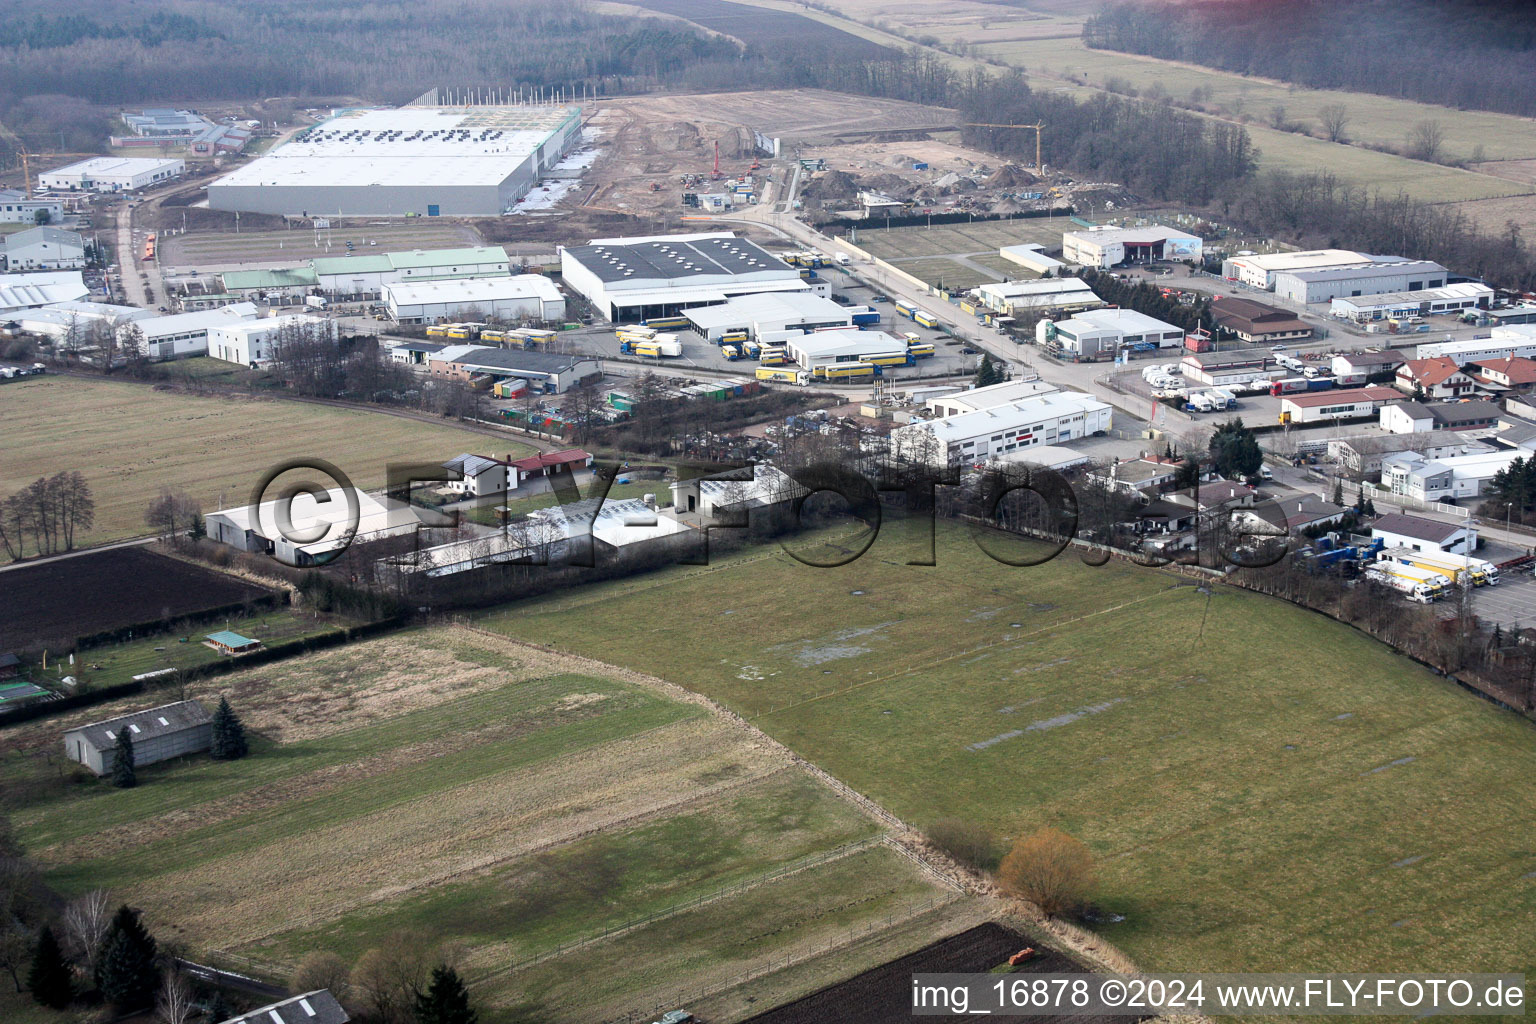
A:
[26, 158]
[1037, 127]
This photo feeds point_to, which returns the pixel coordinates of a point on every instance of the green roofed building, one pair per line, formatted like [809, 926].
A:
[365, 275]
[15, 695]
[229, 642]
[271, 285]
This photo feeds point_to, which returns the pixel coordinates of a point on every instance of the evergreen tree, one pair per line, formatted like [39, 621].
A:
[1235, 451]
[1188, 475]
[228, 734]
[1370, 507]
[123, 776]
[987, 373]
[445, 1001]
[218, 1009]
[1338, 492]
[49, 978]
[125, 967]
[1360, 498]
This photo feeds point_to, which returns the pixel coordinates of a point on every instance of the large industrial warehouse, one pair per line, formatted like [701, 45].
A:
[413, 161]
[635, 278]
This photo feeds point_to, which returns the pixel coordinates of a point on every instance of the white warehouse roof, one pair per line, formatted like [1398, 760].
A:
[27, 291]
[826, 346]
[113, 167]
[767, 306]
[439, 146]
[1041, 407]
[181, 323]
[1110, 235]
[1284, 262]
[475, 289]
[305, 514]
[1126, 321]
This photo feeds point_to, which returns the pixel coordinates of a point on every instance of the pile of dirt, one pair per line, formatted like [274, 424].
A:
[833, 187]
[1011, 176]
[886, 184]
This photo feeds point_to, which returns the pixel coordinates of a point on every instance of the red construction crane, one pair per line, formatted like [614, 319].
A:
[717, 161]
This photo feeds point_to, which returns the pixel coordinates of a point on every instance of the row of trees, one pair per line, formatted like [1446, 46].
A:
[1485, 64]
[50, 511]
[403, 980]
[1148, 299]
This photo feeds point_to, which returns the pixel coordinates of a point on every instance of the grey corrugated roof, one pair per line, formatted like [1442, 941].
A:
[1377, 269]
[471, 465]
[675, 259]
[317, 1007]
[1414, 526]
[143, 725]
[519, 359]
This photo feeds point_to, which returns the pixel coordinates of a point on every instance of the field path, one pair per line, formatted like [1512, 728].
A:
[905, 838]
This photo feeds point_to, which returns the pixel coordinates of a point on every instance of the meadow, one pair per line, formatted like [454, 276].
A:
[131, 440]
[539, 816]
[1263, 789]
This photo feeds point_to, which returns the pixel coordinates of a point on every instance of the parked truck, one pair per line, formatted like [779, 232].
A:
[1408, 578]
[315, 301]
[924, 319]
[1413, 590]
[662, 345]
[784, 374]
[1477, 571]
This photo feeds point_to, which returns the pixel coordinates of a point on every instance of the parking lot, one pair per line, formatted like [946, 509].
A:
[1512, 602]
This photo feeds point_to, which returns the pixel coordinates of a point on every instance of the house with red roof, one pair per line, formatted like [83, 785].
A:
[1439, 377]
[1508, 374]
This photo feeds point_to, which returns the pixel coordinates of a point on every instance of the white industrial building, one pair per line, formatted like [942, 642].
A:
[972, 438]
[1384, 275]
[43, 248]
[186, 334]
[1449, 478]
[364, 276]
[1398, 530]
[1320, 406]
[977, 399]
[1031, 256]
[1258, 270]
[112, 174]
[505, 299]
[16, 207]
[768, 313]
[63, 318]
[1453, 298]
[31, 291]
[1042, 296]
[1094, 332]
[1517, 341]
[320, 527]
[627, 279]
[1105, 247]
[252, 342]
[825, 348]
[424, 161]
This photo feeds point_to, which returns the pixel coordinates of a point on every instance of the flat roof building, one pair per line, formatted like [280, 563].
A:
[1105, 247]
[1031, 257]
[524, 297]
[1379, 277]
[768, 312]
[972, 438]
[628, 279]
[1043, 296]
[425, 161]
[826, 348]
[1451, 298]
[977, 399]
[550, 372]
[60, 319]
[112, 174]
[366, 275]
[1448, 478]
[1258, 270]
[1513, 342]
[186, 334]
[16, 207]
[256, 530]
[254, 343]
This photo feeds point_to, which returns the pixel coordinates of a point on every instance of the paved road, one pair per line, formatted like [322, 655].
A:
[77, 553]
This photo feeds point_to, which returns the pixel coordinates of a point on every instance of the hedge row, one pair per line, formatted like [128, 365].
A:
[923, 219]
[265, 602]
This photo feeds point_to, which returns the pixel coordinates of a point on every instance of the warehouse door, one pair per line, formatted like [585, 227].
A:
[432, 210]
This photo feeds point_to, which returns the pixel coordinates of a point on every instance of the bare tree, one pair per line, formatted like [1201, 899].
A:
[172, 513]
[173, 1004]
[85, 922]
[323, 969]
[1335, 120]
[1425, 140]
[1050, 869]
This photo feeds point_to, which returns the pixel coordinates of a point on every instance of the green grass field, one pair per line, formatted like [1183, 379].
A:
[984, 237]
[452, 787]
[940, 271]
[1263, 789]
[130, 440]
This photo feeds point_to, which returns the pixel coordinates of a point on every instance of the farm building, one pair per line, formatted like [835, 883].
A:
[227, 641]
[1452, 298]
[43, 248]
[112, 174]
[628, 279]
[768, 312]
[316, 1007]
[1031, 256]
[1437, 378]
[852, 345]
[1419, 417]
[1047, 295]
[186, 334]
[16, 207]
[973, 438]
[1105, 247]
[1258, 323]
[1230, 367]
[716, 498]
[1385, 274]
[548, 372]
[425, 161]
[540, 472]
[365, 276]
[1450, 478]
[1316, 406]
[10, 665]
[259, 532]
[523, 297]
[1398, 530]
[1097, 332]
[1515, 341]
[253, 342]
[977, 399]
[158, 734]
[32, 291]
[485, 474]
[1258, 270]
